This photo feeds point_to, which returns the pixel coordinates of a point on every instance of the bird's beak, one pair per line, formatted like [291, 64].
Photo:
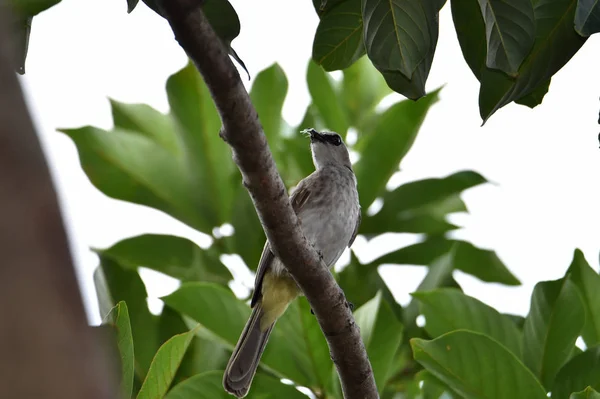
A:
[316, 136]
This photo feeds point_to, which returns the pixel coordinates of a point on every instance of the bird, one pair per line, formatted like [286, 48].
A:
[327, 205]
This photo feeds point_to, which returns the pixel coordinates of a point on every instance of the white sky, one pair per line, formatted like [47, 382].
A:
[545, 161]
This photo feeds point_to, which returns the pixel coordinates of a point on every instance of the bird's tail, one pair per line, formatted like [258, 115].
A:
[246, 355]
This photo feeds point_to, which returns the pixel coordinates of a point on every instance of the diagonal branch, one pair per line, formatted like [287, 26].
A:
[243, 132]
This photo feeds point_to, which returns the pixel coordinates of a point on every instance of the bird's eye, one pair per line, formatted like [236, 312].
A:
[336, 140]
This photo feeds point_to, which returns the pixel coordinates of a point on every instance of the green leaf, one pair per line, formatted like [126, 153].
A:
[118, 317]
[131, 4]
[536, 97]
[448, 309]
[248, 238]
[31, 8]
[165, 365]
[291, 350]
[398, 34]
[128, 166]
[411, 88]
[362, 282]
[588, 283]
[223, 19]
[485, 265]
[580, 372]
[382, 150]
[146, 120]
[115, 284]
[510, 32]
[209, 385]
[208, 158]
[556, 42]
[470, 30]
[326, 100]
[267, 94]
[587, 17]
[363, 88]
[177, 257]
[422, 253]
[338, 41]
[476, 366]
[556, 318]
[587, 393]
[379, 325]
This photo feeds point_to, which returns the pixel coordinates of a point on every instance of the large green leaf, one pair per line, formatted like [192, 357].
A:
[510, 33]
[118, 317]
[338, 41]
[448, 309]
[482, 264]
[382, 334]
[209, 385]
[412, 88]
[165, 365]
[207, 157]
[326, 100]
[115, 284]
[175, 256]
[382, 150]
[580, 372]
[292, 352]
[587, 17]
[556, 318]
[267, 94]
[363, 88]
[398, 33]
[588, 393]
[249, 238]
[476, 366]
[588, 282]
[470, 30]
[556, 42]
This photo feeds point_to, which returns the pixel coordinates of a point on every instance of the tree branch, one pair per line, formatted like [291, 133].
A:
[48, 350]
[243, 132]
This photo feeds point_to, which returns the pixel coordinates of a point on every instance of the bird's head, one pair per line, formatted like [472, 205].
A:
[328, 148]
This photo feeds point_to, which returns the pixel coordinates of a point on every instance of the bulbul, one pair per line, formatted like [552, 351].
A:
[326, 202]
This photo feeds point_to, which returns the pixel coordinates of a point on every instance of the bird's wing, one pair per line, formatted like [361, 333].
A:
[355, 232]
[298, 199]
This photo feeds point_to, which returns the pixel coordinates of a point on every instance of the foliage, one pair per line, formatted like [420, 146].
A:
[465, 349]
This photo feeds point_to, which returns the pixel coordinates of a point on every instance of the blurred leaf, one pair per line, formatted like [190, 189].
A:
[476, 366]
[289, 354]
[470, 30]
[248, 238]
[118, 317]
[439, 275]
[448, 309]
[207, 157]
[339, 41]
[587, 17]
[31, 7]
[115, 284]
[485, 265]
[556, 318]
[510, 29]
[519, 321]
[554, 30]
[209, 385]
[536, 97]
[177, 257]
[587, 393]
[422, 253]
[382, 334]
[146, 120]
[382, 150]
[267, 94]
[363, 88]
[580, 372]
[164, 366]
[398, 34]
[588, 283]
[433, 388]
[326, 100]
[362, 282]
[131, 4]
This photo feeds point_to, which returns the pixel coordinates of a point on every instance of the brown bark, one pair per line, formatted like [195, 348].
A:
[46, 346]
[243, 132]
